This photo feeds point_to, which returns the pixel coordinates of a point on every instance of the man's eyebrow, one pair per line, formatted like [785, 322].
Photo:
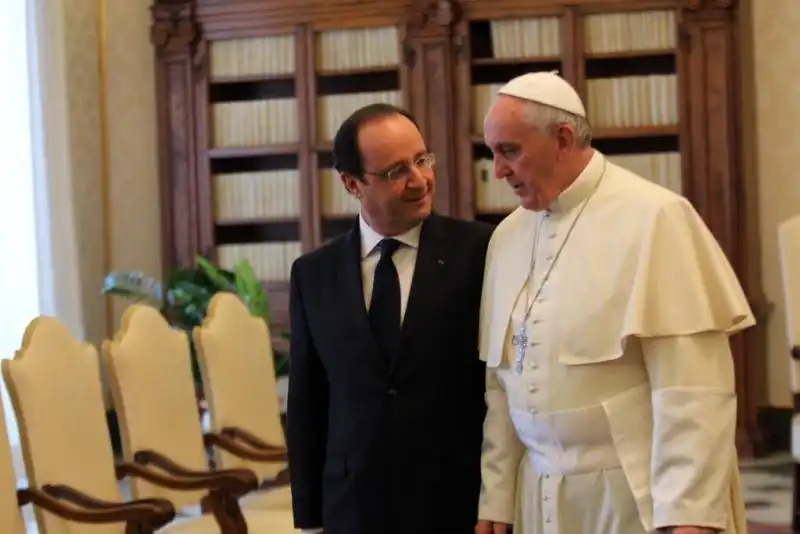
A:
[418, 154]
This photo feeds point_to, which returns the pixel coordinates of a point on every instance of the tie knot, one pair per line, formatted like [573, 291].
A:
[388, 246]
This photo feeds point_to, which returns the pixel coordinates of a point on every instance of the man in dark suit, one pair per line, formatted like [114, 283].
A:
[386, 390]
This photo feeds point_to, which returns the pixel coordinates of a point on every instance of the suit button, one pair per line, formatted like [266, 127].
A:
[392, 392]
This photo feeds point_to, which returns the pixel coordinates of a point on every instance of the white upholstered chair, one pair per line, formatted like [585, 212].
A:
[54, 386]
[150, 376]
[789, 246]
[234, 349]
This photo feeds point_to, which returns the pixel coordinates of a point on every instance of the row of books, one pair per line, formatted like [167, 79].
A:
[375, 47]
[492, 195]
[663, 168]
[271, 55]
[255, 122]
[623, 102]
[632, 101]
[527, 37]
[275, 194]
[630, 32]
[271, 261]
[265, 195]
[336, 200]
[360, 48]
[257, 195]
[332, 110]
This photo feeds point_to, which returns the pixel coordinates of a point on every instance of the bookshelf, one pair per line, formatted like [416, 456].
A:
[251, 92]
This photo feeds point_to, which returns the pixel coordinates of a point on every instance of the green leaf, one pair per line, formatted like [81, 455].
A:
[215, 275]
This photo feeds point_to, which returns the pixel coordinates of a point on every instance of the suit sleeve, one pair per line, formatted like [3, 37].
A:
[694, 427]
[502, 452]
[307, 410]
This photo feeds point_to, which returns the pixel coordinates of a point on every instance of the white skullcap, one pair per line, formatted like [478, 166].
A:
[546, 88]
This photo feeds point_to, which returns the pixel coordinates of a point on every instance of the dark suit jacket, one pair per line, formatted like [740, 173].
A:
[374, 448]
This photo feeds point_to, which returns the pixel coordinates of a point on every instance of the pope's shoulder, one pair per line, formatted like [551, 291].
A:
[622, 192]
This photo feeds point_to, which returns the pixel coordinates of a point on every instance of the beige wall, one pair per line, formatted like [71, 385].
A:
[133, 216]
[776, 54]
[110, 111]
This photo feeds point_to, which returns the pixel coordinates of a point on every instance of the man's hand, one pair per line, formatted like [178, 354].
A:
[490, 527]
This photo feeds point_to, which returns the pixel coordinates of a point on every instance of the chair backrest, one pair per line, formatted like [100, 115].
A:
[55, 387]
[789, 247]
[11, 520]
[235, 354]
[150, 376]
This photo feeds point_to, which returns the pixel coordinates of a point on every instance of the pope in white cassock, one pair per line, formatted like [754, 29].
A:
[605, 319]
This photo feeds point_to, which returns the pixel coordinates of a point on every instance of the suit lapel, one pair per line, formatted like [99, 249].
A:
[432, 260]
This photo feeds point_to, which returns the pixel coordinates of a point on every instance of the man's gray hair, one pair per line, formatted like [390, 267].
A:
[547, 117]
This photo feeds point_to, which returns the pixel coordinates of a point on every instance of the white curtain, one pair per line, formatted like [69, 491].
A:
[19, 262]
[38, 249]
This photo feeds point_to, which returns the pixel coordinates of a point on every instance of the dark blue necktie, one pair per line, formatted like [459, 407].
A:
[384, 308]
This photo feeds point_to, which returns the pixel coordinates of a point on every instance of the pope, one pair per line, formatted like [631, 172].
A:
[605, 321]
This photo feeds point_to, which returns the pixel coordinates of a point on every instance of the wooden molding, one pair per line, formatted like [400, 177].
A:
[174, 28]
[699, 5]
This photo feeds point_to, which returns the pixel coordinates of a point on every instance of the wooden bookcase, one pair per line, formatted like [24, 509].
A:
[251, 91]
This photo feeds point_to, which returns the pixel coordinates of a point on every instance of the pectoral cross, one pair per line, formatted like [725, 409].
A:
[520, 342]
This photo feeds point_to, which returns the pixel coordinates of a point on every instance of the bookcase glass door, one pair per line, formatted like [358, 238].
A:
[254, 152]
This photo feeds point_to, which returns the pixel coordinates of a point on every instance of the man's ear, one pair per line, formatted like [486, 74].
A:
[352, 184]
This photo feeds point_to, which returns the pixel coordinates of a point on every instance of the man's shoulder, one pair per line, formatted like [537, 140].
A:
[322, 256]
[465, 229]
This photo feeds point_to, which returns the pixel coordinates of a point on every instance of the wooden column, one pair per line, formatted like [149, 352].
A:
[176, 38]
[713, 160]
[428, 53]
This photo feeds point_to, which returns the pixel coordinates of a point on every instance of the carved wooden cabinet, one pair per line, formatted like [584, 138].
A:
[251, 91]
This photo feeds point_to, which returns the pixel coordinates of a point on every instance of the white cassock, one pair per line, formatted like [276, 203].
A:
[623, 417]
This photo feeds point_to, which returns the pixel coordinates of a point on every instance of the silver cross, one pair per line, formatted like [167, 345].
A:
[520, 342]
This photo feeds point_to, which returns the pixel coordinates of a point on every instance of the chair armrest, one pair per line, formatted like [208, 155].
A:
[245, 448]
[73, 505]
[240, 434]
[234, 481]
[224, 486]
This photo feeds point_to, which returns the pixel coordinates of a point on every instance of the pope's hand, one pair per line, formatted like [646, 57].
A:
[489, 527]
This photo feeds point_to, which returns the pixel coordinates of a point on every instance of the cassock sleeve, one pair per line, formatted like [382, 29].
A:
[306, 415]
[502, 452]
[694, 426]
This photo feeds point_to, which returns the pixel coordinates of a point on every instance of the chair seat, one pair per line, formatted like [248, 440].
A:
[271, 499]
[258, 522]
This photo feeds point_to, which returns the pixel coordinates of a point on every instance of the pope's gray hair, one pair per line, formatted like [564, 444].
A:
[547, 117]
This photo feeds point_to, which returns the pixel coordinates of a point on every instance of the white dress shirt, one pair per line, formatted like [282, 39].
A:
[405, 260]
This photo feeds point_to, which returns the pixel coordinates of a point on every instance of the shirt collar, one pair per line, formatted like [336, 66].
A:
[582, 187]
[370, 238]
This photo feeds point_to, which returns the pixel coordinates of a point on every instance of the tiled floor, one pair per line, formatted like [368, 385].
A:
[767, 487]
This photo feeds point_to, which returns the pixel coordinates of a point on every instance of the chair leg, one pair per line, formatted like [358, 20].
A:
[796, 499]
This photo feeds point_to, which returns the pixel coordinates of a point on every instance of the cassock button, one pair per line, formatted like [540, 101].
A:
[393, 392]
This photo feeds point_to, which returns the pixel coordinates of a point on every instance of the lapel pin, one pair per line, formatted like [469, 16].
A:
[441, 262]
